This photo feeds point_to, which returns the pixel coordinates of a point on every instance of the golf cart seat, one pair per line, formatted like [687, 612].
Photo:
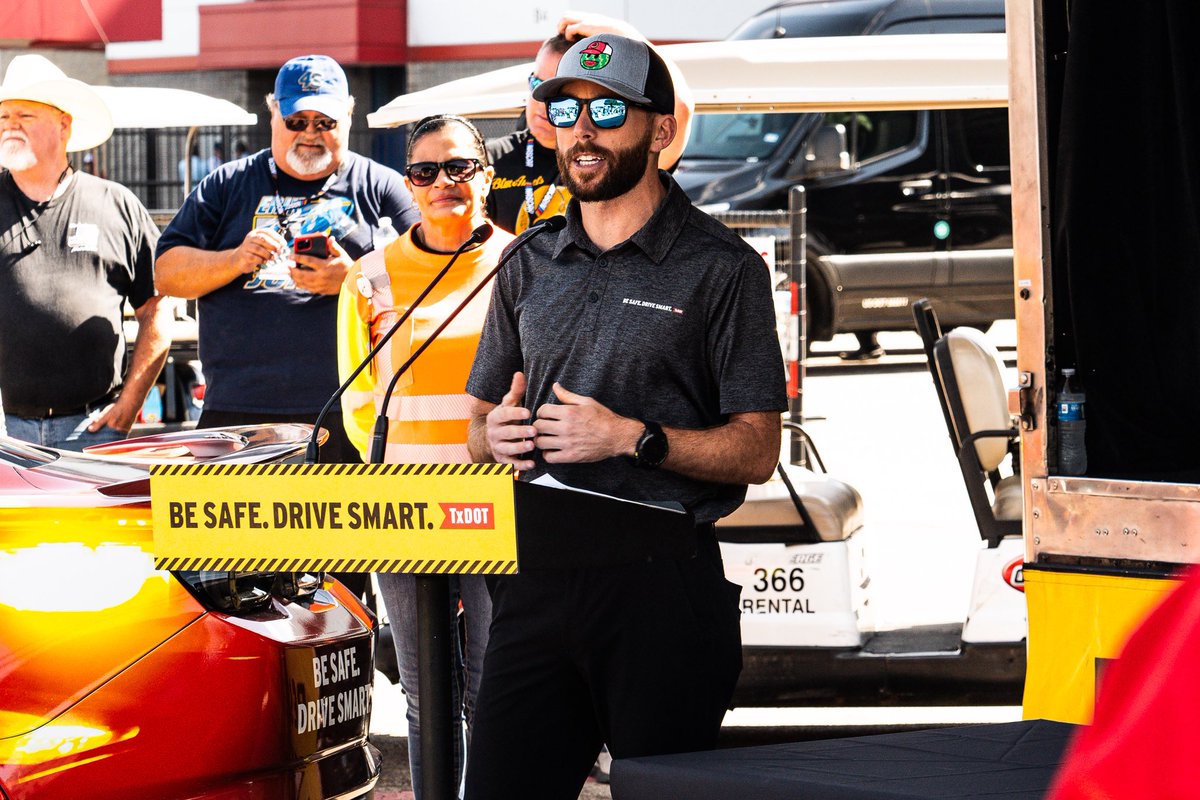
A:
[797, 506]
[968, 375]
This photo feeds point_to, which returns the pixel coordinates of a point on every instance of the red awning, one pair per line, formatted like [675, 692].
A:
[67, 22]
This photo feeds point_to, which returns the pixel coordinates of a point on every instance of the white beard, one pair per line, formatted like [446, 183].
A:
[17, 156]
[305, 163]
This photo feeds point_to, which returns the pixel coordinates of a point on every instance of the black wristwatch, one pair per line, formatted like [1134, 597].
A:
[651, 449]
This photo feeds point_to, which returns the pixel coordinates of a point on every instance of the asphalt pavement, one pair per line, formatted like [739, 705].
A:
[394, 783]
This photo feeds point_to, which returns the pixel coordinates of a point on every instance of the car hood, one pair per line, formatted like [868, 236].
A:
[80, 601]
[708, 181]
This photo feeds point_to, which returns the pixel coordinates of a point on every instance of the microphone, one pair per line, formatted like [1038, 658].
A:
[312, 454]
[379, 434]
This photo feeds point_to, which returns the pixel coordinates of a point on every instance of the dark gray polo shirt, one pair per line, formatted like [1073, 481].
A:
[674, 325]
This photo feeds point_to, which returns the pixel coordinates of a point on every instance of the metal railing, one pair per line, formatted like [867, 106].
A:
[785, 230]
[150, 162]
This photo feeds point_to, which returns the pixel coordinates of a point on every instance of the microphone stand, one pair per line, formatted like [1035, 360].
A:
[312, 454]
[433, 590]
[433, 628]
[379, 434]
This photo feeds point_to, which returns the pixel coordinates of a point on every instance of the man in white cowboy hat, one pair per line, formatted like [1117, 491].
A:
[268, 316]
[73, 249]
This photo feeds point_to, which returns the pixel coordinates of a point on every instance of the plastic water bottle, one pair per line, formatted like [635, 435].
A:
[152, 407]
[1072, 454]
[384, 235]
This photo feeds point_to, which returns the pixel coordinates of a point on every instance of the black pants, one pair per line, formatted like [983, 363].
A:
[642, 657]
[336, 450]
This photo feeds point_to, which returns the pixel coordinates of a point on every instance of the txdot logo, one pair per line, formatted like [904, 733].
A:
[1014, 573]
[468, 516]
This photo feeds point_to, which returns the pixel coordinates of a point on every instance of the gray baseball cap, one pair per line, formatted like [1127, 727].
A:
[628, 67]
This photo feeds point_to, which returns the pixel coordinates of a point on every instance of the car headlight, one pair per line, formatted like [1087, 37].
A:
[73, 577]
[248, 592]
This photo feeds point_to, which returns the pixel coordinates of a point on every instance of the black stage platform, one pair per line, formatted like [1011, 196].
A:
[1008, 760]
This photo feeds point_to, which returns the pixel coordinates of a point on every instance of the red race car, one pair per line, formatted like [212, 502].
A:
[121, 680]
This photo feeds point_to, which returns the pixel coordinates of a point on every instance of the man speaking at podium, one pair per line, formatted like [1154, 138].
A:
[635, 355]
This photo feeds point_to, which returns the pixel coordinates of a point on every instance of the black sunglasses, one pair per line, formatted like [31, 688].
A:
[321, 124]
[605, 112]
[459, 170]
[535, 81]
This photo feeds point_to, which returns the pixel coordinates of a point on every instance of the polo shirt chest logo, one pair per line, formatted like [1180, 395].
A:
[629, 301]
[83, 237]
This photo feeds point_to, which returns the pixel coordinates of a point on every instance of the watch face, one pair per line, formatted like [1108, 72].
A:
[652, 447]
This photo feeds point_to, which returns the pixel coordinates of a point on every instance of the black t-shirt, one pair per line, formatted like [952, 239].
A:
[66, 268]
[675, 325]
[506, 204]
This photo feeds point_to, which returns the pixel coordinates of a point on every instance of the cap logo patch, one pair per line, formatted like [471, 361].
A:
[311, 81]
[595, 56]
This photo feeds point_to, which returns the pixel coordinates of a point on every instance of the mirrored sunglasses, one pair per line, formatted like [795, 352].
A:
[534, 81]
[605, 112]
[459, 170]
[320, 124]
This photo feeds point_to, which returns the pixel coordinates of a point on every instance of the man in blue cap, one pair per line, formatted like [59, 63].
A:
[268, 314]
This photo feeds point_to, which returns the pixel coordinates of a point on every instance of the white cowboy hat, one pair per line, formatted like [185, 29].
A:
[37, 79]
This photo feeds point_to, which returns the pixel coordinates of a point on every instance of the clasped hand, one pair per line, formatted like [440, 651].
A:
[574, 430]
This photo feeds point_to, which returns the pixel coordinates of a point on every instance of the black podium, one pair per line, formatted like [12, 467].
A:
[556, 529]
[431, 520]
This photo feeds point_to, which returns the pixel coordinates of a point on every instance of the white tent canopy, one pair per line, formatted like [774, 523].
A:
[144, 107]
[825, 74]
[149, 107]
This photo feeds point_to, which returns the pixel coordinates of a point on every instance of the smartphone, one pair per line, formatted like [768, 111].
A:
[311, 244]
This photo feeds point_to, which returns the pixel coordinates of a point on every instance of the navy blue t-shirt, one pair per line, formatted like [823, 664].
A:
[266, 346]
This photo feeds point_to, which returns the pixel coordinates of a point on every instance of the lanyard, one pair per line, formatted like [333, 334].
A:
[29, 220]
[534, 211]
[284, 218]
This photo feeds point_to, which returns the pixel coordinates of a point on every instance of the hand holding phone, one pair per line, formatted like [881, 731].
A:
[311, 244]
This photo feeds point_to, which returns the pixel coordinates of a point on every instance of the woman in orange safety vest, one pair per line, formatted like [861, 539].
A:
[449, 177]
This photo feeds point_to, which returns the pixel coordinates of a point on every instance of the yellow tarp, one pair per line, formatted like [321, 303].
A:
[1075, 619]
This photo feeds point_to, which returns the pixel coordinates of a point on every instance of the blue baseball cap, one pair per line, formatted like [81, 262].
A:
[312, 83]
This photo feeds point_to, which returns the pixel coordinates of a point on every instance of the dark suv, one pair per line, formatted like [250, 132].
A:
[901, 204]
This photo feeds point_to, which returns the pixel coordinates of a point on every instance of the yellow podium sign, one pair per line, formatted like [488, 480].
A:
[427, 518]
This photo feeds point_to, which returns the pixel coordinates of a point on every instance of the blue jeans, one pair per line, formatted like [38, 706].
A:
[63, 433]
[400, 599]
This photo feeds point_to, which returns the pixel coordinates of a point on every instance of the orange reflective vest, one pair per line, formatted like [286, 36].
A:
[428, 411]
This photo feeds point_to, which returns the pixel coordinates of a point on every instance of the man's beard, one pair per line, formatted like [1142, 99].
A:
[17, 156]
[306, 162]
[625, 168]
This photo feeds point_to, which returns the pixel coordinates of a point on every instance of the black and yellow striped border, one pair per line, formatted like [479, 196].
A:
[250, 470]
[423, 566]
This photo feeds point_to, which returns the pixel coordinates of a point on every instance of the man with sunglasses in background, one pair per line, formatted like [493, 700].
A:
[633, 354]
[526, 186]
[267, 313]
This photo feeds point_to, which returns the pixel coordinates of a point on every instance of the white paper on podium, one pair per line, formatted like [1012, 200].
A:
[546, 479]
